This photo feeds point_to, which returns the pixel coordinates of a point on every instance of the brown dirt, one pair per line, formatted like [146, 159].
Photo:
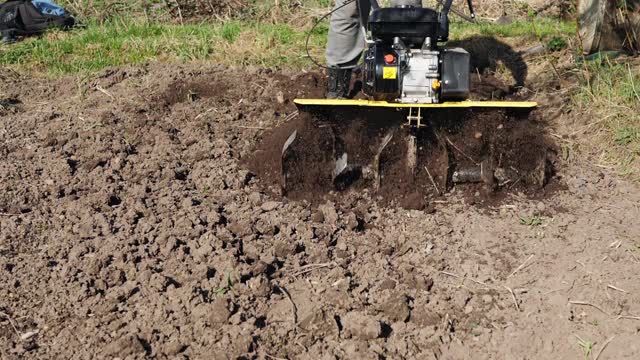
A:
[130, 228]
[453, 140]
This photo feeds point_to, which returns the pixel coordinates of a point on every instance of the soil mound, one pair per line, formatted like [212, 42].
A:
[453, 151]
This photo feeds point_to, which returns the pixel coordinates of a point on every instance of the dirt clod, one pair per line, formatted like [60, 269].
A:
[361, 326]
[396, 308]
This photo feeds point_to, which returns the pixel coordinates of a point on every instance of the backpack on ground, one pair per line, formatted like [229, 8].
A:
[31, 17]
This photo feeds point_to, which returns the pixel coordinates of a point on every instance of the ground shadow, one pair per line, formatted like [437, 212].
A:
[487, 53]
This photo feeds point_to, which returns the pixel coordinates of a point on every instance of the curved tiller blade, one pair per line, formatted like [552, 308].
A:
[344, 173]
[376, 160]
[287, 154]
[412, 152]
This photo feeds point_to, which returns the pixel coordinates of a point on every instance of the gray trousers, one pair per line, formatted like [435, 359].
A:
[346, 40]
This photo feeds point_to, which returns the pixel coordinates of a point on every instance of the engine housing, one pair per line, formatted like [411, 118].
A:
[403, 62]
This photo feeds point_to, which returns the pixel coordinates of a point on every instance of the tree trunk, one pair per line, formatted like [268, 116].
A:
[609, 25]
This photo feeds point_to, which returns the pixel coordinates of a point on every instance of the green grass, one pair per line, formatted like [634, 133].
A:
[609, 94]
[115, 43]
[531, 221]
[586, 346]
[535, 28]
[122, 41]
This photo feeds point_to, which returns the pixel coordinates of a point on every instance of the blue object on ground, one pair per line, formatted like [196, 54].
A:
[48, 7]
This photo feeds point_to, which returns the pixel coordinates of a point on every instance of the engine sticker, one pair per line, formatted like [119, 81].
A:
[389, 72]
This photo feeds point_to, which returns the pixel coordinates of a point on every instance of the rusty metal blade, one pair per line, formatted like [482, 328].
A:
[376, 161]
[341, 165]
[287, 152]
[412, 153]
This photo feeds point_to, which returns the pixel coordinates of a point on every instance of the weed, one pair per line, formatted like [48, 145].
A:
[557, 43]
[230, 31]
[586, 346]
[225, 289]
[566, 152]
[531, 221]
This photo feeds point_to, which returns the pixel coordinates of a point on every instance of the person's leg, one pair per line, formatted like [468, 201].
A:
[345, 43]
[345, 46]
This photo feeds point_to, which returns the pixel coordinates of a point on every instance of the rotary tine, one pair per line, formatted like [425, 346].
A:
[344, 172]
[412, 151]
[287, 155]
[376, 161]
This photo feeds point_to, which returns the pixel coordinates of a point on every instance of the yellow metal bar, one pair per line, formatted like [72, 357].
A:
[461, 104]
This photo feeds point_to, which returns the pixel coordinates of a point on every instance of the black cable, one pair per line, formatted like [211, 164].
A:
[471, 18]
[315, 26]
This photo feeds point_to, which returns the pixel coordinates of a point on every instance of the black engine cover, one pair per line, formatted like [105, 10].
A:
[410, 24]
[455, 76]
[381, 80]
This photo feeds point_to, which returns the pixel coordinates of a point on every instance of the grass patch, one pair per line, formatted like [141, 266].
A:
[609, 96]
[532, 29]
[123, 41]
[586, 346]
[531, 221]
[230, 31]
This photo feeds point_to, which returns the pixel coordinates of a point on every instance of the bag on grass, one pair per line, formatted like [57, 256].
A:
[30, 17]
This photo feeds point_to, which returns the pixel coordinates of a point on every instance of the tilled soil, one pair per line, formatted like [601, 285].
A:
[501, 152]
[131, 226]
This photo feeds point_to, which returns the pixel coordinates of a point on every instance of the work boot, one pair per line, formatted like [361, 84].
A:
[338, 85]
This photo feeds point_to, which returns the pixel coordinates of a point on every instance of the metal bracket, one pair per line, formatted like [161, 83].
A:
[414, 121]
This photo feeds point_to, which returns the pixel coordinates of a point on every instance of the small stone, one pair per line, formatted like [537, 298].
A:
[29, 335]
[280, 97]
[270, 205]
[540, 206]
[362, 326]
[478, 135]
